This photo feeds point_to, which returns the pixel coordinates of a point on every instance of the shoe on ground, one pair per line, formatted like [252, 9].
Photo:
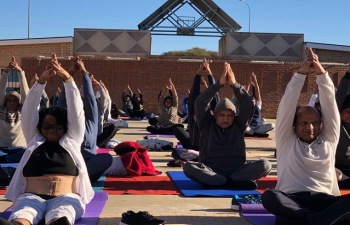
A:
[140, 218]
[235, 204]
[128, 218]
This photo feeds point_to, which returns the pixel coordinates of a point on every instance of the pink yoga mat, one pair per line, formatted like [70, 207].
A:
[103, 150]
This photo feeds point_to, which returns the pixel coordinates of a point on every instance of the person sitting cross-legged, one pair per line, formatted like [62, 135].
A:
[51, 183]
[127, 106]
[307, 190]
[138, 107]
[168, 108]
[12, 140]
[222, 157]
[257, 126]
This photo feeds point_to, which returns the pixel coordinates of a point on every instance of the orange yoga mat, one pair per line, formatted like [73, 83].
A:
[142, 185]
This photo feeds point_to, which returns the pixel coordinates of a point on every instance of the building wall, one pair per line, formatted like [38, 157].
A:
[33, 50]
[150, 74]
[333, 56]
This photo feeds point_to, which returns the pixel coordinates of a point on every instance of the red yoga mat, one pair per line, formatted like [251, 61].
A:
[142, 185]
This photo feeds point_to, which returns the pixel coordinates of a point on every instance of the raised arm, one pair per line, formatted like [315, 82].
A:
[246, 104]
[130, 91]
[30, 109]
[287, 107]
[342, 90]
[202, 103]
[330, 114]
[3, 84]
[4, 80]
[249, 83]
[257, 88]
[23, 84]
[109, 101]
[140, 95]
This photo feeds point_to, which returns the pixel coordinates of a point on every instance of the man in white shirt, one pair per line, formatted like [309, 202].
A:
[307, 191]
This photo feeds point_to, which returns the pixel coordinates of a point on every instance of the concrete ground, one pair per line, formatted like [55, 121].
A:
[173, 208]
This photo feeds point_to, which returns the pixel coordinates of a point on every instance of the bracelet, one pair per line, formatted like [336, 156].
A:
[70, 79]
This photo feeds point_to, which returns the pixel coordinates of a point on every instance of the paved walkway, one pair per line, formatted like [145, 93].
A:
[173, 208]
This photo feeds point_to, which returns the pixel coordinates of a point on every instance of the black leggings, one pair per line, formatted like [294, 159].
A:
[308, 207]
[163, 130]
[184, 138]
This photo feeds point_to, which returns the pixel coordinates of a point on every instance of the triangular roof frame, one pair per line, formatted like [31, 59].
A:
[221, 22]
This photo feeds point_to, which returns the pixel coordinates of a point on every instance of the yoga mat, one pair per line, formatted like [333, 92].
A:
[9, 165]
[4, 189]
[142, 185]
[161, 135]
[190, 188]
[256, 214]
[265, 183]
[179, 146]
[92, 211]
[99, 184]
[103, 150]
[135, 119]
[257, 138]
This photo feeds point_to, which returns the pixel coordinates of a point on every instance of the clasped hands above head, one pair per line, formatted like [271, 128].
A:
[227, 77]
[204, 68]
[13, 65]
[311, 62]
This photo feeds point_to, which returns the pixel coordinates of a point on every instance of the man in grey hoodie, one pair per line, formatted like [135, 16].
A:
[222, 159]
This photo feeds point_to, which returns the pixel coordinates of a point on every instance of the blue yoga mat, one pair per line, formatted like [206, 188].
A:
[190, 188]
[9, 165]
[99, 184]
[92, 211]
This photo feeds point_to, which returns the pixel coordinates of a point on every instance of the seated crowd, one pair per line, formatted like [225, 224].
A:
[58, 140]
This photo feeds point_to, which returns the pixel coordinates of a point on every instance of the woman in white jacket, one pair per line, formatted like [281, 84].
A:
[51, 182]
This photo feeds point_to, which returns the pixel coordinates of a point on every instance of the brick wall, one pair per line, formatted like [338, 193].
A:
[33, 50]
[151, 73]
[333, 56]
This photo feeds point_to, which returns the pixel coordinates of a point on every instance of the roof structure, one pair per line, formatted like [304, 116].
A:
[209, 12]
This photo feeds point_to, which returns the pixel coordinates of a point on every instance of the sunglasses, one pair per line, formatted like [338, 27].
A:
[51, 127]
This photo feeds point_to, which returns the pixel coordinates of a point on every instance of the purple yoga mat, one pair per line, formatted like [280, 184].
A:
[92, 211]
[256, 214]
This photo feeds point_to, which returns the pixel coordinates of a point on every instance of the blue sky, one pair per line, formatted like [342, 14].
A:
[322, 21]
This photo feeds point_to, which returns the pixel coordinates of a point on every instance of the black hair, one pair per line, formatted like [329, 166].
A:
[169, 97]
[296, 114]
[186, 99]
[58, 112]
[127, 96]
